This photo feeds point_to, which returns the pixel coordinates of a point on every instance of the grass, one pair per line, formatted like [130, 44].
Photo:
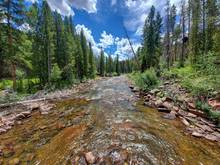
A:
[198, 83]
[207, 109]
[145, 81]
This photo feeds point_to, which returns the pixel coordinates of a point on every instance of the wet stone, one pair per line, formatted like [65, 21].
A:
[197, 134]
[90, 158]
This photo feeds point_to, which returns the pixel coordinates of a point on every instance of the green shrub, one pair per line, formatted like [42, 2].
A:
[207, 109]
[56, 73]
[146, 80]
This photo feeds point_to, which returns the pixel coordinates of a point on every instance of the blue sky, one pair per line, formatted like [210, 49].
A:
[103, 21]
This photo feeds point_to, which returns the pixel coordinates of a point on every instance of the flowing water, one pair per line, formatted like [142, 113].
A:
[110, 122]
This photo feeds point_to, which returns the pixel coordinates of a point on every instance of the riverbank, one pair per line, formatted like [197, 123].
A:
[43, 101]
[175, 102]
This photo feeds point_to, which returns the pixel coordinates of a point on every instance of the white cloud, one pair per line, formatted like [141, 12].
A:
[88, 5]
[123, 49]
[139, 9]
[61, 6]
[106, 40]
[65, 7]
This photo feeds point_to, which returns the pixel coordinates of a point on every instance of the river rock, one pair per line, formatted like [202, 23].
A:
[158, 103]
[167, 105]
[60, 125]
[170, 116]
[185, 122]
[211, 137]
[34, 106]
[163, 109]
[154, 91]
[2, 130]
[27, 113]
[90, 158]
[191, 105]
[197, 134]
[19, 116]
[14, 161]
[204, 127]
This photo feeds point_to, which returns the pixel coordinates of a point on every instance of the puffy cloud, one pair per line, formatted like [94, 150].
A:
[65, 7]
[106, 40]
[61, 6]
[123, 48]
[88, 5]
[138, 11]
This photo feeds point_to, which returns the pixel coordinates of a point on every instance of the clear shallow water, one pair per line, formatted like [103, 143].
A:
[110, 122]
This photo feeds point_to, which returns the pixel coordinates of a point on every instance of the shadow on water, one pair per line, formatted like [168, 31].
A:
[113, 125]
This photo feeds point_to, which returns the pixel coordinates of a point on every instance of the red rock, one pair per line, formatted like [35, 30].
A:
[90, 158]
[191, 105]
[215, 104]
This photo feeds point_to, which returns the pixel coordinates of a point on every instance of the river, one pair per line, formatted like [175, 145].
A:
[108, 121]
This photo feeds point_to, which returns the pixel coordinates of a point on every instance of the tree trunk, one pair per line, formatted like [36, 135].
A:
[14, 76]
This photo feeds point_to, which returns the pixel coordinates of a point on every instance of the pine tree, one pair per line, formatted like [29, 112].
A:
[85, 54]
[13, 12]
[183, 26]
[102, 63]
[212, 18]
[167, 42]
[79, 59]
[59, 40]
[91, 62]
[195, 39]
[151, 40]
[47, 34]
[117, 69]
[172, 28]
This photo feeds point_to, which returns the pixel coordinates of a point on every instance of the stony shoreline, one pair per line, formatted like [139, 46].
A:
[174, 102]
[13, 113]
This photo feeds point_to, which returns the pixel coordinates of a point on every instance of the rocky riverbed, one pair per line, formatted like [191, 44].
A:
[102, 123]
[175, 102]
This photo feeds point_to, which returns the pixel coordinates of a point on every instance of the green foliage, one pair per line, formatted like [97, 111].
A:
[201, 80]
[207, 109]
[145, 81]
[102, 64]
[151, 40]
[56, 74]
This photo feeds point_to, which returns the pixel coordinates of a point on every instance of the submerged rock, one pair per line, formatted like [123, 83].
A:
[90, 158]
[170, 116]
[14, 161]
